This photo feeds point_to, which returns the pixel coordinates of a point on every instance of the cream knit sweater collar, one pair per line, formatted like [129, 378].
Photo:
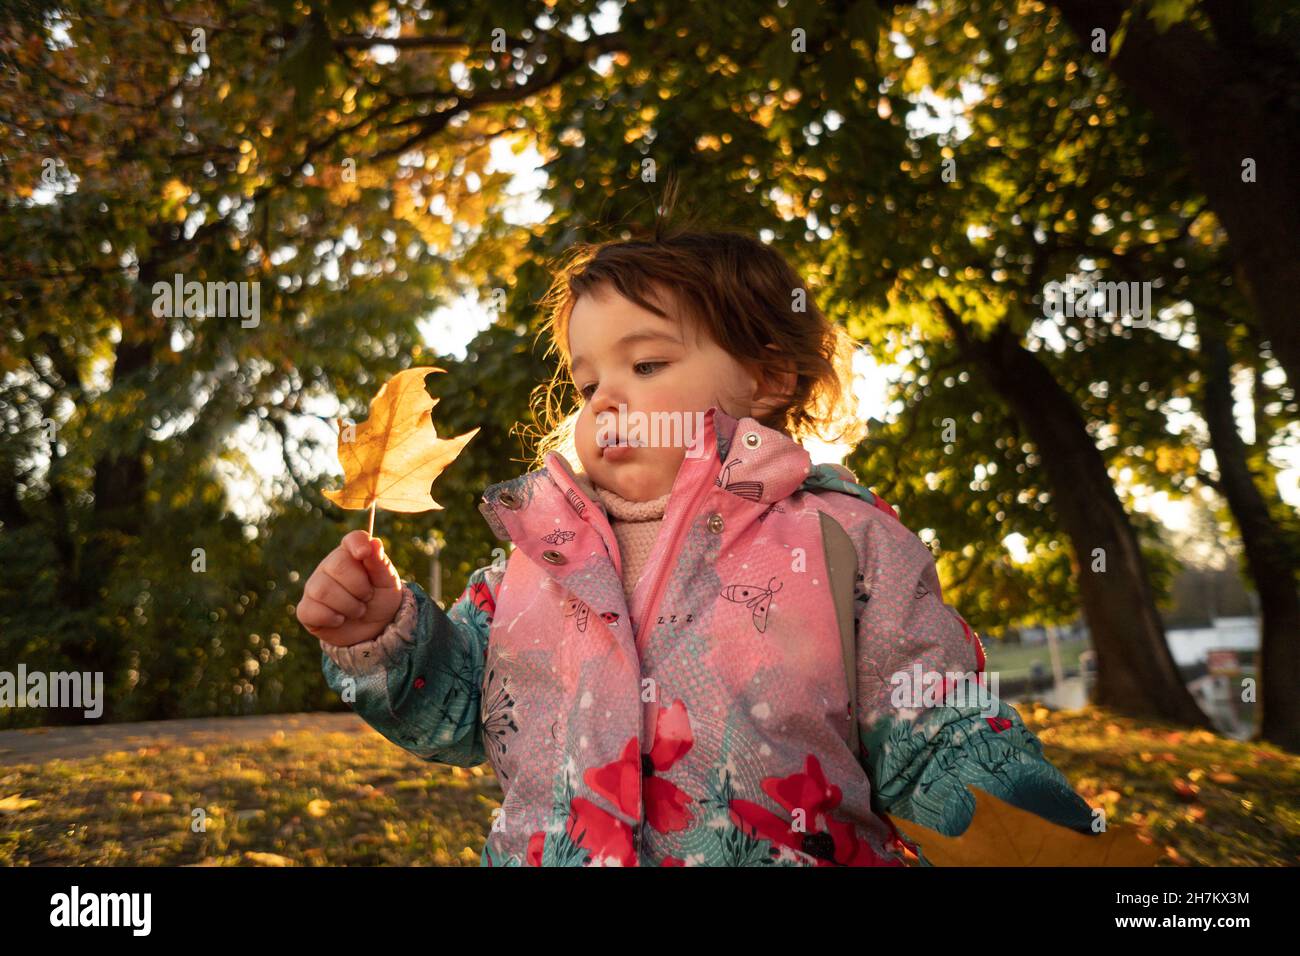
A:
[635, 524]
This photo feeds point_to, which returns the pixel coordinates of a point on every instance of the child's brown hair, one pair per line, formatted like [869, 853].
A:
[739, 292]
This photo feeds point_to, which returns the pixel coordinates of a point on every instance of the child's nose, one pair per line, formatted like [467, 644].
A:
[607, 400]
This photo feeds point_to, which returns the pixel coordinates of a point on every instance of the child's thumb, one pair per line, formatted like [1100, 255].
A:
[379, 568]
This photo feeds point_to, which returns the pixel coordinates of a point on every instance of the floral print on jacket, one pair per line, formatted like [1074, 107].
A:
[708, 721]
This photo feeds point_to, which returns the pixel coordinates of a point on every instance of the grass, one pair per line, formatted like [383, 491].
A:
[305, 800]
[1014, 660]
[355, 799]
[1206, 800]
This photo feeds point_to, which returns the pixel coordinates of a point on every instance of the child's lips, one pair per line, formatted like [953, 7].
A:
[620, 444]
[617, 452]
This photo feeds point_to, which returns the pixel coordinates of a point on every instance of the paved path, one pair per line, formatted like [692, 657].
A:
[39, 744]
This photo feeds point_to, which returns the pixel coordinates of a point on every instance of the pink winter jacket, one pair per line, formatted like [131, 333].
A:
[708, 721]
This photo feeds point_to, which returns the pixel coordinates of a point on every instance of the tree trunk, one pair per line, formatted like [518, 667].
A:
[1136, 673]
[1226, 101]
[1268, 555]
[120, 474]
[118, 514]
[12, 515]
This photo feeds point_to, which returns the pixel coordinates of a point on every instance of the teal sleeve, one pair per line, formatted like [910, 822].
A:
[426, 695]
[926, 741]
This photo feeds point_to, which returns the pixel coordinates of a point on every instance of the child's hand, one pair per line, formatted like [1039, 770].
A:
[353, 594]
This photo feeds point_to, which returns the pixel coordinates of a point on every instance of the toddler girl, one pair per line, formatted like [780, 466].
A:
[665, 671]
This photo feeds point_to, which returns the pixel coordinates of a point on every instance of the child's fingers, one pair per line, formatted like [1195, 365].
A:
[332, 594]
[357, 544]
[314, 615]
[340, 565]
[380, 570]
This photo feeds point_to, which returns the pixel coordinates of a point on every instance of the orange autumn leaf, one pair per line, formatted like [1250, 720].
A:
[15, 802]
[1001, 834]
[391, 459]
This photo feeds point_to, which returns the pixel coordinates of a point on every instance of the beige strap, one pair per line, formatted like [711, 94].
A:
[842, 566]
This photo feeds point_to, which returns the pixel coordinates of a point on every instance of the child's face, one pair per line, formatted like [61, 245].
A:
[665, 373]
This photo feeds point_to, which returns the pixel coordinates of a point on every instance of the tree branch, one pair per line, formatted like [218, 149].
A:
[437, 41]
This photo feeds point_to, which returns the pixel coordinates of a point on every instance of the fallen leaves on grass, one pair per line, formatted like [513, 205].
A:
[267, 859]
[151, 798]
[15, 802]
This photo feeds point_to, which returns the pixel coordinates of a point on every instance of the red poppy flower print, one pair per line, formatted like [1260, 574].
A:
[973, 638]
[830, 842]
[604, 835]
[482, 598]
[619, 782]
[536, 843]
[666, 807]
[998, 724]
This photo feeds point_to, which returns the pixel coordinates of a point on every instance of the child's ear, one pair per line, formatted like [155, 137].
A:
[773, 387]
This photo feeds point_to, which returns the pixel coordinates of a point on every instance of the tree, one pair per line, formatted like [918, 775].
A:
[1224, 78]
[338, 156]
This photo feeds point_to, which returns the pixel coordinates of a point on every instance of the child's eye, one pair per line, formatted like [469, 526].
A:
[587, 390]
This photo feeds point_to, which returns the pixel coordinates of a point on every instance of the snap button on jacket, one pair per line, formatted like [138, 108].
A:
[708, 720]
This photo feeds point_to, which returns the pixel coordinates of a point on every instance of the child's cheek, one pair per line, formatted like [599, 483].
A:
[584, 437]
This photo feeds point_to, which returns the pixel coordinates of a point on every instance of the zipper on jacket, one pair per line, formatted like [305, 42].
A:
[647, 624]
[656, 595]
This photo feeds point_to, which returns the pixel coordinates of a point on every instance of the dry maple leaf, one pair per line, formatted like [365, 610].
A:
[1001, 834]
[395, 454]
[15, 802]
